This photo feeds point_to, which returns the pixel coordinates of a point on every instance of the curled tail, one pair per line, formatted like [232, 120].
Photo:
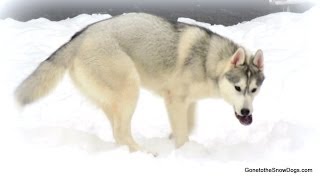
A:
[45, 78]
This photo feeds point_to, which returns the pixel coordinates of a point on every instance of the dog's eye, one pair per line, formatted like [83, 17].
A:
[237, 88]
[254, 90]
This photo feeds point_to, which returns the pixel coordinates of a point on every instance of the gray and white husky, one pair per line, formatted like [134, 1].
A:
[110, 60]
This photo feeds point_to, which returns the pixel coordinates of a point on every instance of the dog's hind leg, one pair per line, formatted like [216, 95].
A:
[113, 85]
[191, 116]
[120, 111]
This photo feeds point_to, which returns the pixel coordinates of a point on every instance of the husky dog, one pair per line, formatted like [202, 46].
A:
[110, 60]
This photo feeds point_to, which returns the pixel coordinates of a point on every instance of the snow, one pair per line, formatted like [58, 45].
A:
[64, 136]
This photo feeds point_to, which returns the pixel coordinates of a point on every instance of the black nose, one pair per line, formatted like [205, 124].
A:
[245, 112]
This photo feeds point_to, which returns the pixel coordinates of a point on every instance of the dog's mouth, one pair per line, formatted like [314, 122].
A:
[244, 120]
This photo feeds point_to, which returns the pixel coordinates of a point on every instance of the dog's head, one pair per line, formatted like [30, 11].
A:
[241, 82]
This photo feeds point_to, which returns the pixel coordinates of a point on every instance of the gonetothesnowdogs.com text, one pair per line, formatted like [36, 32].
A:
[278, 170]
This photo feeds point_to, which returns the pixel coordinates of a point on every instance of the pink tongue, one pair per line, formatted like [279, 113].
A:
[245, 120]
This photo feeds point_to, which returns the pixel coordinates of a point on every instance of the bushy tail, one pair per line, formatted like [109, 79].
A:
[43, 80]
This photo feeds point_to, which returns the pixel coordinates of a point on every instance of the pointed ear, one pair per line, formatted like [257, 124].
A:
[258, 60]
[238, 57]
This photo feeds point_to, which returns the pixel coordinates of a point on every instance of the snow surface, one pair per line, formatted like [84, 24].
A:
[64, 136]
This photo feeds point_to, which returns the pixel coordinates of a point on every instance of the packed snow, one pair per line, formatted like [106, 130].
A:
[64, 136]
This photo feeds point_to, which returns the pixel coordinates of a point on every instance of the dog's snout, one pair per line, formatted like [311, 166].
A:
[245, 112]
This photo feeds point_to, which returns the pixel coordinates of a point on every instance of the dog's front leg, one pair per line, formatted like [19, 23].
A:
[177, 108]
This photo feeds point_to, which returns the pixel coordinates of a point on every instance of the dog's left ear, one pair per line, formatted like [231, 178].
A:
[258, 60]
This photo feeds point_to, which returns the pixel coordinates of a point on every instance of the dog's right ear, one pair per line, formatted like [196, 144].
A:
[238, 57]
[258, 60]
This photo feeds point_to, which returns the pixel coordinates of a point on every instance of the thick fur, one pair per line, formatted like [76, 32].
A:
[110, 60]
[45, 77]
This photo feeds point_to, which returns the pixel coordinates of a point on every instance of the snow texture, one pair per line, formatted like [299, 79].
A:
[64, 136]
